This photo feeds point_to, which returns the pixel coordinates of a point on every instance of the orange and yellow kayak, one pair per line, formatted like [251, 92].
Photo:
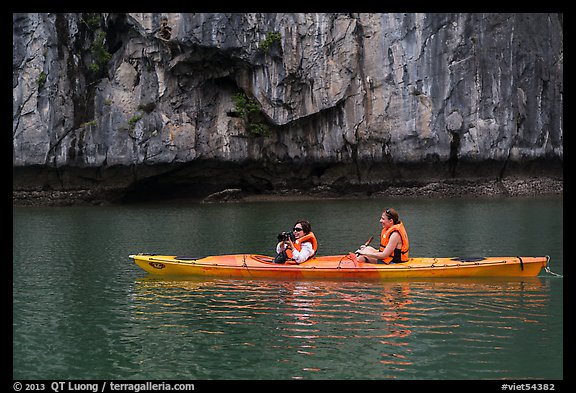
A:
[338, 267]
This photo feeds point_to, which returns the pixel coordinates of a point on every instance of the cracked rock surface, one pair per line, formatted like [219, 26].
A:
[142, 101]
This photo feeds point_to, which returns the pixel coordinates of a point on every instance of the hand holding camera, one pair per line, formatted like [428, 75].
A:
[286, 236]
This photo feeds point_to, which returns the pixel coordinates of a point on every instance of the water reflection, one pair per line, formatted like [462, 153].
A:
[384, 329]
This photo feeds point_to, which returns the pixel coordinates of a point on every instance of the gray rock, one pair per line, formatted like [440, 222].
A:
[365, 96]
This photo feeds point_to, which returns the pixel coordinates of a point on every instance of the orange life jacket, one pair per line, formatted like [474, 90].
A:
[306, 238]
[385, 237]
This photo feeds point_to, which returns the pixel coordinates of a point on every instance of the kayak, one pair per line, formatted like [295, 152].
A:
[338, 267]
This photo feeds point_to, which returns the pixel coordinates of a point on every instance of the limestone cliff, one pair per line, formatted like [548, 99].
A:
[201, 102]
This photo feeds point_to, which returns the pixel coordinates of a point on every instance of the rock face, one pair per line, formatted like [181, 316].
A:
[205, 102]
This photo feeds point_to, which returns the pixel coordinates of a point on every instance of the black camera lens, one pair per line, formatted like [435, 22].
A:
[284, 236]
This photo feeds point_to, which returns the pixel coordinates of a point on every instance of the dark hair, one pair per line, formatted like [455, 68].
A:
[305, 226]
[392, 214]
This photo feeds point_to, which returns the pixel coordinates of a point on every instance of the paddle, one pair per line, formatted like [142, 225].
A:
[354, 256]
[367, 243]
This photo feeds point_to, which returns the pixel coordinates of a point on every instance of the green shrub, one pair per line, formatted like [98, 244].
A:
[90, 123]
[99, 53]
[258, 129]
[133, 120]
[270, 39]
[93, 21]
[41, 80]
[251, 112]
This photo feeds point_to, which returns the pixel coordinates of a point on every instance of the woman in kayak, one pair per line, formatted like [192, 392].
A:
[300, 247]
[394, 246]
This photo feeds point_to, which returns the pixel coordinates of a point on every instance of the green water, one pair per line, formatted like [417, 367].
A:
[83, 310]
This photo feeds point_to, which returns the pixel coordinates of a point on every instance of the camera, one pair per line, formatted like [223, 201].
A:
[284, 236]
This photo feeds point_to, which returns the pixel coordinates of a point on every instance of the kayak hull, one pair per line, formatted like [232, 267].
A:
[337, 267]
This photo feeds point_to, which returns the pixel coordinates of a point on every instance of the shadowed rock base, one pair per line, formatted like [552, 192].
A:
[216, 181]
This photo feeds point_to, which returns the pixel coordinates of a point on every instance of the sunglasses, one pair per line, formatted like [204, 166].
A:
[297, 229]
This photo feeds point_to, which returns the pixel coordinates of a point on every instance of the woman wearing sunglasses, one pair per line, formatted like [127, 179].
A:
[394, 246]
[299, 250]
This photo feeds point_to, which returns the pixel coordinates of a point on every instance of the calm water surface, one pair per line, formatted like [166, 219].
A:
[83, 310]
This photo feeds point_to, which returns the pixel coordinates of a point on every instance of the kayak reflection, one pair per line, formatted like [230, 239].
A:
[305, 325]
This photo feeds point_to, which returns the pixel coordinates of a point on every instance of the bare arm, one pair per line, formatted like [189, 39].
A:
[393, 243]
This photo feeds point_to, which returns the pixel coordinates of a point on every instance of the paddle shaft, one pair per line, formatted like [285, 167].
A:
[368, 242]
